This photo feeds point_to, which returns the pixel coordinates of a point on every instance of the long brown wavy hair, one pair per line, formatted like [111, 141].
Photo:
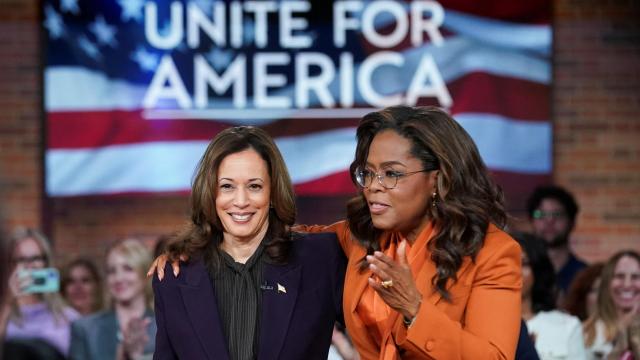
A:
[467, 197]
[202, 235]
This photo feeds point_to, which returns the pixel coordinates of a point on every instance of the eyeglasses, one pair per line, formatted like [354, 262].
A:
[539, 214]
[30, 259]
[388, 179]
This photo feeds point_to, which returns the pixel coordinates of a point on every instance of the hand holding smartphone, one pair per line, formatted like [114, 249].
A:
[37, 281]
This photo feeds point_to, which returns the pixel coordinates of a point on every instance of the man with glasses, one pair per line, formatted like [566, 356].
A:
[552, 211]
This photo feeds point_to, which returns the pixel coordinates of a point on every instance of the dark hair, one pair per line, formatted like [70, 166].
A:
[467, 199]
[203, 234]
[543, 292]
[576, 301]
[95, 274]
[553, 192]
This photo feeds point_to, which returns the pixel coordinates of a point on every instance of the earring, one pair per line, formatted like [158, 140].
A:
[433, 199]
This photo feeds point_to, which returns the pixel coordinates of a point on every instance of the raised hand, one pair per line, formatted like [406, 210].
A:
[394, 282]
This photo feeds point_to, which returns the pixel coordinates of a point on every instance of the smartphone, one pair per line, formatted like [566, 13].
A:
[44, 280]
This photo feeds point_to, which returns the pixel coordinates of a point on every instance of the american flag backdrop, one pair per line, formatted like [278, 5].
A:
[109, 132]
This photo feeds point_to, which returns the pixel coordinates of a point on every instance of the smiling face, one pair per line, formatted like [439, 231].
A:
[80, 289]
[243, 196]
[124, 281]
[403, 208]
[625, 284]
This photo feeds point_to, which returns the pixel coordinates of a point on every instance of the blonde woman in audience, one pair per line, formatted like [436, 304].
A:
[33, 314]
[127, 330]
[613, 332]
[82, 286]
[556, 335]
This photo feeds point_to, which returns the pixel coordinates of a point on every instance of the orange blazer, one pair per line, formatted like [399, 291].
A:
[482, 320]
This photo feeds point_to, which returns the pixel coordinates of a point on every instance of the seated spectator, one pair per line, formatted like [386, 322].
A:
[613, 331]
[556, 335]
[82, 286]
[128, 329]
[583, 294]
[34, 315]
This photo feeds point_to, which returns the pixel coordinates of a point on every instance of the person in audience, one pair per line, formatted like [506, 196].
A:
[613, 331]
[582, 297]
[82, 286]
[557, 335]
[34, 314]
[430, 274]
[552, 211]
[127, 329]
[252, 288]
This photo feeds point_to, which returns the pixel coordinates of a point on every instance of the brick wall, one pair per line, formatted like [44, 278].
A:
[20, 118]
[596, 100]
[596, 110]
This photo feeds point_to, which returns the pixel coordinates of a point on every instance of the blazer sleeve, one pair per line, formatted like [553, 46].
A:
[340, 228]
[78, 350]
[490, 325]
[163, 350]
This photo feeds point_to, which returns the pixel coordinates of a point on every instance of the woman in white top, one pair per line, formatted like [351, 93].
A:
[557, 335]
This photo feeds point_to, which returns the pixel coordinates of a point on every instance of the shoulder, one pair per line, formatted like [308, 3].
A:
[498, 244]
[556, 318]
[191, 272]
[310, 243]
[89, 321]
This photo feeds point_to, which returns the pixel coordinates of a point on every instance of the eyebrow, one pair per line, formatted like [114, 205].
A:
[389, 163]
[250, 180]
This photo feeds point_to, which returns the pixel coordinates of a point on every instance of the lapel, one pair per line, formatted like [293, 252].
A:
[202, 310]
[360, 278]
[106, 335]
[277, 307]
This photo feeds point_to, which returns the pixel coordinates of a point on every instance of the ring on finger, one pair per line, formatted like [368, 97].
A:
[386, 283]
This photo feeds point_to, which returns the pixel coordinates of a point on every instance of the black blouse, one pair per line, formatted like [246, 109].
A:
[237, 289]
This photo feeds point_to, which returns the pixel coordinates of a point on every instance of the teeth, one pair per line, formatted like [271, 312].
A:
[240, 217]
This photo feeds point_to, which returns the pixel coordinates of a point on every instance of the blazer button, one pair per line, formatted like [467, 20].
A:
[430, 345]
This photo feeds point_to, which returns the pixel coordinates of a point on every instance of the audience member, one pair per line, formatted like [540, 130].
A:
[613, 331]
[556, 335]
[34, 315]
[82, 286]
[127, 330]
[553, 211]
[582, 297]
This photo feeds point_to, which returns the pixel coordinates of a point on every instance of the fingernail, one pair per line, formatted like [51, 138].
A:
[369, 257]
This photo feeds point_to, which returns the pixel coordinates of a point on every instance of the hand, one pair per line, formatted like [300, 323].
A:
[17, 284]
[135, 337]
[403, 295]
[159, 263]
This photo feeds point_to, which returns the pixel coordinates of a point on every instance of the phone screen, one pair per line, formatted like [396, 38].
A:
[43, 280]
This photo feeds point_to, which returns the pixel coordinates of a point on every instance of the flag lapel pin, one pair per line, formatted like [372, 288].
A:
[281, 289]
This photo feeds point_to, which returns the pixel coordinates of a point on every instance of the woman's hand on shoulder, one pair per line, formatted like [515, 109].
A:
[158, 265]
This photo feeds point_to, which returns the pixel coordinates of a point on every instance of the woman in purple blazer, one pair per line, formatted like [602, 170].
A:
[252, 289]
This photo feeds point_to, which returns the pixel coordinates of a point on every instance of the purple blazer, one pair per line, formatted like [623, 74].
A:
[294, 325]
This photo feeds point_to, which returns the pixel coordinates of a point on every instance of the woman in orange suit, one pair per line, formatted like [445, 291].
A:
[431, 275]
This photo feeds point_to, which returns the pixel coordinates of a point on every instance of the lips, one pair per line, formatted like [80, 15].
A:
[240, 217]
[377, 208]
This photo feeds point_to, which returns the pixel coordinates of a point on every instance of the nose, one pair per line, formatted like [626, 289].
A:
[241, 198]
[376, 184]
